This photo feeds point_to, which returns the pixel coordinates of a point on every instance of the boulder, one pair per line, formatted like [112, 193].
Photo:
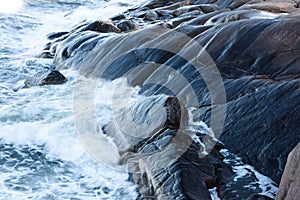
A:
[289, 188]
[102, 27]
[259, 197]
[127, 25]
[48, 77]
[74, 49]
[165, 161]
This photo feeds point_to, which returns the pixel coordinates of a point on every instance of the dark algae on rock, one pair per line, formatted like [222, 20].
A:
[255, 46]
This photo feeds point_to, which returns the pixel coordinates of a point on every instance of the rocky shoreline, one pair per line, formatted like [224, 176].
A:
[254, 44]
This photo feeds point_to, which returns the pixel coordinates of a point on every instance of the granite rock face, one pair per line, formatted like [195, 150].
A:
[290, 181]
[255, 47]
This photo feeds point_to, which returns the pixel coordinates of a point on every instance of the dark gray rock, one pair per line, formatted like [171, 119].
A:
[258, 61]
[75, 48]
[261, 109]
[127, 25]
[152, 156]
[102, 26]
[56, 35]
[259, 197]
[47, 77]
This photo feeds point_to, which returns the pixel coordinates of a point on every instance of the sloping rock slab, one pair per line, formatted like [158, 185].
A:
[289, 188]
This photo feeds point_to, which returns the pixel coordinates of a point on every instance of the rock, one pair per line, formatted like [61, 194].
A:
[102, 26]
[133, 133]
[162, 4]
[47, 77]
[186, 9]
[208, 8]
[194, 13]
[249, 53]
[45, 54]
[181, 20]
[127, 25]
[150, 154]
[275, 6]
[257, 76]
[56, 35]
[75, 48]
[290, 180]
[232, 4]
[259, 197]
[202, 19]
[118, 17]
[151, 15]
[261, 96]
[164, 14]
[188, 177]
[240, 15]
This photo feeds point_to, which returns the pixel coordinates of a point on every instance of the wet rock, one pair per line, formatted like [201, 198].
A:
[45, 54]
[75, 48]
[240, 15]
[275, 6]
[181, 20]
[47, 77]
[102, 26]
[208, 8]
[188, 177]
[290, 180]
[193, 13]
[232, 4]
[186, 9]
[258, 77]
[133, 133]
[163, 4]
[161, 159]
[118, 17]
[127, 25]
[55, 35]
[151, 15]
[165, 14]
[259, 197]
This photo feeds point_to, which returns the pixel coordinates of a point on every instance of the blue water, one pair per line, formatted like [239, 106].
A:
[41, 156]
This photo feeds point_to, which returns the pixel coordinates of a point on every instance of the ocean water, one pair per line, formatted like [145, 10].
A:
[41, 154]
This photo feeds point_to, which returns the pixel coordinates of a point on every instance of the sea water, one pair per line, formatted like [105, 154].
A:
[41, 155]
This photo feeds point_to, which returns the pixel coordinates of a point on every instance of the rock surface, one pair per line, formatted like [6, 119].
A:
[48, 77]
[167, 163]
[259, 65]
[290, 181]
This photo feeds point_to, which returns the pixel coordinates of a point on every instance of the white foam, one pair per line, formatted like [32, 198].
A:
[214, 194]
[266, 184]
